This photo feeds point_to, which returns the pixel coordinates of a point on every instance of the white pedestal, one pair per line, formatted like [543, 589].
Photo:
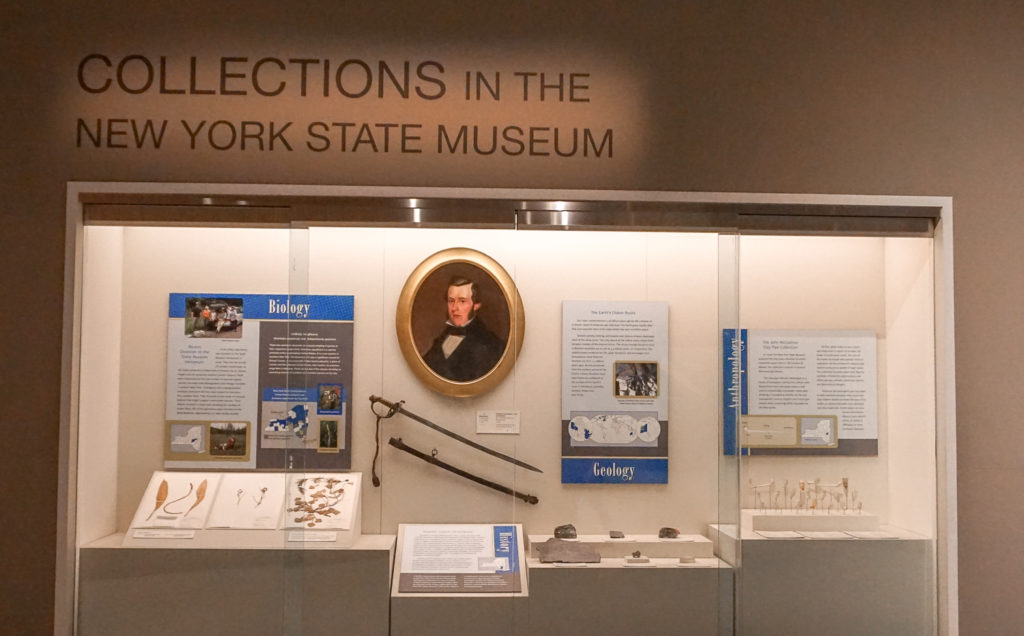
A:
[649, 545]
[815, 522]
[858, 586]
[157, 591]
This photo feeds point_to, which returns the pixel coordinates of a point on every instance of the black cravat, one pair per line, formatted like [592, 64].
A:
[452, 330]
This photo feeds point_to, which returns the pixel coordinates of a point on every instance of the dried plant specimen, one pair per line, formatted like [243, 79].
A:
[161, 497]
[263, 493]
[317, 498]
[200, 495]
[185, 496]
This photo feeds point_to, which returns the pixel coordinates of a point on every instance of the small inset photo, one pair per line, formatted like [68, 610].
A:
[188, 438]
[329, 399]
[229, 439]
[818, 431]
[635, 379]
[288, 425]
[329, 437]
[216, 317]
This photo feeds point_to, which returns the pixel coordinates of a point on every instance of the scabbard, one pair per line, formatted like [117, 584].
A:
[430, 459]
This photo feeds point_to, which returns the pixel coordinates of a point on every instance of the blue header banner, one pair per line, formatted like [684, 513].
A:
[506, 545]
[267, 306]
[734, 386]
[614, 470]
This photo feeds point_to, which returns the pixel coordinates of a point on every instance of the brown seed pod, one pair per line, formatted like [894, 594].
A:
[161, 497]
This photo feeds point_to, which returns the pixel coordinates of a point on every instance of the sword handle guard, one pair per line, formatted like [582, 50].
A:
[393, 407]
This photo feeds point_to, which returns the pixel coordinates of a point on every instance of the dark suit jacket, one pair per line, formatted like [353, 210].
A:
[477, 354]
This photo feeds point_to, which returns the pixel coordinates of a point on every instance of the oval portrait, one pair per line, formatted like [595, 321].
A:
[460, 322]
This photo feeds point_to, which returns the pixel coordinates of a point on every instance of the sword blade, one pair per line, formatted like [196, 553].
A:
[440, 429]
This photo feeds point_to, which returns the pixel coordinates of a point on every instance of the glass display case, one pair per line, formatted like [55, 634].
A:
[834, 413]
[376, 411]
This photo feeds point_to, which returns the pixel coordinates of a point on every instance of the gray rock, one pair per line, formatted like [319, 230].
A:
[559, 551]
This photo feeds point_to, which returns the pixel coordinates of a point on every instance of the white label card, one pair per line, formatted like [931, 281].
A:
[312, 537]
[164, 534]
[501, 422]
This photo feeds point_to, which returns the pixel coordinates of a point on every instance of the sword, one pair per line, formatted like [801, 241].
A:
[396, 407]
[431, 459]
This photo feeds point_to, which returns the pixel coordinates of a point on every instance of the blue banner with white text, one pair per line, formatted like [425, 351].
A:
[614, 470]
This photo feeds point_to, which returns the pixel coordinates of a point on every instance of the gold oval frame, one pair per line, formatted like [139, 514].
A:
[404, 326]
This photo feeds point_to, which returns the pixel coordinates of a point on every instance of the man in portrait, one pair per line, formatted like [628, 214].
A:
[466, 349]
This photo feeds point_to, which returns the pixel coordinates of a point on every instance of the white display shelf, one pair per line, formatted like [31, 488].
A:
[649, 545]
[803, 520]
[616, 563]
[222, 539]
[722, 534]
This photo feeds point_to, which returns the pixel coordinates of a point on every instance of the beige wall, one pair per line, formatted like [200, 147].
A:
[866, 98]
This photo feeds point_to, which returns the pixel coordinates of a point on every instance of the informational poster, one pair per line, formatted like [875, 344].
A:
[460, 559]
[259, 380]
[800, 392]
[614, 392]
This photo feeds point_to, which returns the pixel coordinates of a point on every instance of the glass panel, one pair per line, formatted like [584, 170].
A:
[162, 424]
[723, 386]
[562, 277]
[290, 426]
[437, 492]
[725, 533]
[838, 469]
